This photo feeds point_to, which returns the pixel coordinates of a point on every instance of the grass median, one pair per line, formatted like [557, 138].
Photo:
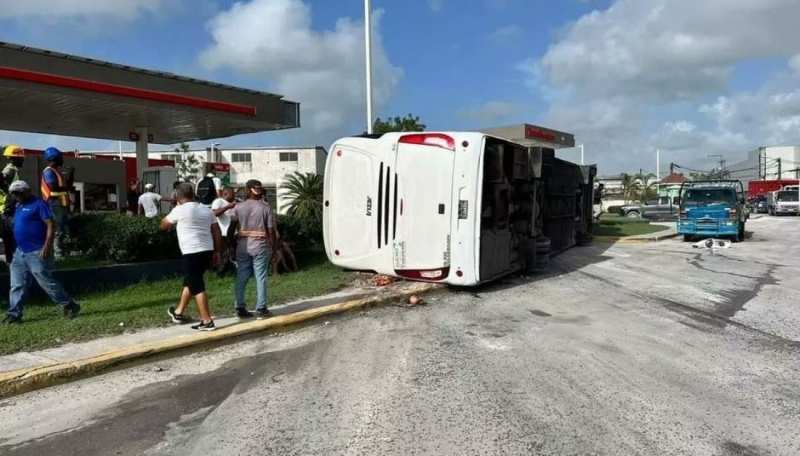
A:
[144, 306]
[617, 226]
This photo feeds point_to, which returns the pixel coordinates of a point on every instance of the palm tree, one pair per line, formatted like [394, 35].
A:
[645, 185]
[303, 193]
[628, 186]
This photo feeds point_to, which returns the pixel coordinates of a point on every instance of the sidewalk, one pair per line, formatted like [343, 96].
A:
[670, 232]
[22, 372]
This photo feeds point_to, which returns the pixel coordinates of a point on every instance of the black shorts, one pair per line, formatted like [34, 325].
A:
[194, 267]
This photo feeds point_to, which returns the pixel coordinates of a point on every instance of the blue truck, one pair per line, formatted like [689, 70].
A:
[712, 209]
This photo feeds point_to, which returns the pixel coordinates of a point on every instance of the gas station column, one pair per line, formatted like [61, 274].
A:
[142, 155]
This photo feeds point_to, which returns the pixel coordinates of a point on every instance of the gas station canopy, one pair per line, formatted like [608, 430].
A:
[58, 94]
[533, 136]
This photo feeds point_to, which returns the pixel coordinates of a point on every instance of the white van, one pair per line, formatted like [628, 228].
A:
[432, 206]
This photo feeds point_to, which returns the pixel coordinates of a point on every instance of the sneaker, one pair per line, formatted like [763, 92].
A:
[176, 317]
[12, 320]
[72, 310]
[205, 326]
[263, 313]
[244, 313]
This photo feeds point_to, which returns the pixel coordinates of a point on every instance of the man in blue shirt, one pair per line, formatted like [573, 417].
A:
[34, 231]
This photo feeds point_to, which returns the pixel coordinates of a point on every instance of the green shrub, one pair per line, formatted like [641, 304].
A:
[304, 232]
[120, 238]
[124, 239]
[613, 209]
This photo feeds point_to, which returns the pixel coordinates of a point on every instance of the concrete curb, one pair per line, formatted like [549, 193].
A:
[34, 378]
[625, 240]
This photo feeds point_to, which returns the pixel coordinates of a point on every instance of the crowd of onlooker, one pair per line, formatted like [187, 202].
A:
[214, 231]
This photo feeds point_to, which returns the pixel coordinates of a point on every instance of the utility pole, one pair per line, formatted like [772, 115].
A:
[368, 50]
[672, 168]
[780, 171]
[721, 165]
[658, 165]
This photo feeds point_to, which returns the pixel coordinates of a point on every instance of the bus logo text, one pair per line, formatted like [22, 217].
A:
[369, 207]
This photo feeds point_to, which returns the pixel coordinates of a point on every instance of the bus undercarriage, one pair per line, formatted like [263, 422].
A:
[534, 205]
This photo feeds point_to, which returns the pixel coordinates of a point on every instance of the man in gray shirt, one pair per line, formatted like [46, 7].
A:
[254, 235]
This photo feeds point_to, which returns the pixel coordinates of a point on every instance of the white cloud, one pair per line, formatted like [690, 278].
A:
[672, 49]
[616, 77]
[774, 114]
[493, 111]
[72, 9]
[274, 41]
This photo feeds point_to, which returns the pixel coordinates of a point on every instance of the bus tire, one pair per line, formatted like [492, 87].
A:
[584, 239]
[542, 253]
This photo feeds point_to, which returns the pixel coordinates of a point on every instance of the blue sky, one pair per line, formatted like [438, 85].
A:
[626, 76]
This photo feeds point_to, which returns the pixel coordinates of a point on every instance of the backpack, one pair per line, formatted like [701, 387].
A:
[206, 191]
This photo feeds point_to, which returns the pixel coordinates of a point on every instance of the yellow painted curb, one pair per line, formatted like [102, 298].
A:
[625, 240]
[33, 378]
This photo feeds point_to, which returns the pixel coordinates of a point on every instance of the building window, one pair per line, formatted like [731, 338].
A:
[177, 158]
[288, 156]
[241, 158]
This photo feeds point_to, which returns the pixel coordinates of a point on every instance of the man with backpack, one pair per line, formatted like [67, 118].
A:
[209, 188]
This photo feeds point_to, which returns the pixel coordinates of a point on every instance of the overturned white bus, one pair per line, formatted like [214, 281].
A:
[455, 207]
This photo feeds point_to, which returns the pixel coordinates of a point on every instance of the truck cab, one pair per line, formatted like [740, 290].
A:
[785, 201]
[713, 209]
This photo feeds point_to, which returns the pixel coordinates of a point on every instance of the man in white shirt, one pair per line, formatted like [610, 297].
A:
[200, 241]
[222, 208]
[149, 202]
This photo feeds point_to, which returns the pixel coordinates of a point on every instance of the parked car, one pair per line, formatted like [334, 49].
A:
[658, 208]
[758, 204]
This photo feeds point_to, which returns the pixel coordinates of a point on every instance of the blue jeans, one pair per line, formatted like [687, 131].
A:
[247, 266]
[22, 268]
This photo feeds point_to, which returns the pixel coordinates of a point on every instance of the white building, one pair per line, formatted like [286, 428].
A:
[270, 165]
[778, 162]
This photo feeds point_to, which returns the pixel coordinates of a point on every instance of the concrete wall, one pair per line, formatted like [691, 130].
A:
[267, 167]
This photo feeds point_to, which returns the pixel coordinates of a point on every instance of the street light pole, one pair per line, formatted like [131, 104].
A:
[581, 146]
[658, 164]
[368, 41]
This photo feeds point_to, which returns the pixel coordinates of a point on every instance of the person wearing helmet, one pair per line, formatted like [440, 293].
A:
[8, 204]
[55, 191]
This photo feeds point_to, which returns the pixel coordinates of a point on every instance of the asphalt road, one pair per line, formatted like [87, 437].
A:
[656, 349]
